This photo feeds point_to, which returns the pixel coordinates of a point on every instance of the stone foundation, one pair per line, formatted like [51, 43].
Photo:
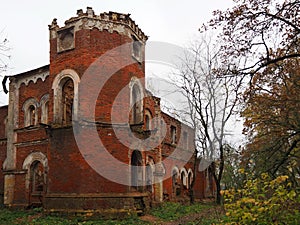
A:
[112, 205]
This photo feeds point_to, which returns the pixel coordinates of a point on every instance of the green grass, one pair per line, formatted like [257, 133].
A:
[172, 211]
[166, 212]
[35, 217]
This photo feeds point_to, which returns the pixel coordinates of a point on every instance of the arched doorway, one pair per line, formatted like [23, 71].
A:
[36, 184]
[136, 171]
[36, 165]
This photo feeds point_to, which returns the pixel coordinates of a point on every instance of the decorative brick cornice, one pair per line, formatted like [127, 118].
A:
[33, 75]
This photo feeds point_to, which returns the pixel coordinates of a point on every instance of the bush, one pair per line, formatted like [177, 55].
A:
[263, 201]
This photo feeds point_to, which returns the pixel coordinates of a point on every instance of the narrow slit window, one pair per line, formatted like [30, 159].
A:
[136, 49]
[173, 134]
[31, 115]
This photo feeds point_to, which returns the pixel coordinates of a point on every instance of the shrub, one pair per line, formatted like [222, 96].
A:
[263, 201]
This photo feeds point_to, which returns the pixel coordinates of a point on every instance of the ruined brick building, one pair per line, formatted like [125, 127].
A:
[48, 151]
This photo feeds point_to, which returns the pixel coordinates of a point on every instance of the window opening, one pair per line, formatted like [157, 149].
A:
[136, 170]
[137, 106]
[173, 134]
[67, 98]
[37, 177]
[31, 115]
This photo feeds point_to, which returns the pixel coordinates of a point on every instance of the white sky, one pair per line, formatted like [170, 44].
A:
[25, 23]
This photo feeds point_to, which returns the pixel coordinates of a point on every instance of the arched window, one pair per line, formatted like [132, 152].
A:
[67, 101]
[65, 88]
[148, 117]
[149, 178]
[137, 109]
[173, 134]
[183, 177]
[175, 186]
[30, 109]
[136, 100]
[174, 178]
[190, 178]
[137, 170]
[31, 115]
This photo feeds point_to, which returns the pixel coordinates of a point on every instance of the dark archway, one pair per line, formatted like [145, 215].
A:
[67, 101]
[37, 184]
[175, 185]
[149, 178]
[137, 104]
[137, 170]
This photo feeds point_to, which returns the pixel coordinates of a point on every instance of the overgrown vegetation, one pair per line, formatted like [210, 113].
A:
[263, 201]
[169, 211]
[35, 217]
[172, 211]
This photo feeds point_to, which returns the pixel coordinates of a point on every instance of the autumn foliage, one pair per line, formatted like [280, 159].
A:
[272, 122]
[263, 201]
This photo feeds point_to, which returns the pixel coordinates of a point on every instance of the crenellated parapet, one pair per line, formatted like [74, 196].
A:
[111, 21]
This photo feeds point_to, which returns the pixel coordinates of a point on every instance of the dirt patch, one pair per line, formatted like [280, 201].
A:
[215, 212]
[151, 219]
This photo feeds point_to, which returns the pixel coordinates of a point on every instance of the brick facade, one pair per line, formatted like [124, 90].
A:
[57, 115]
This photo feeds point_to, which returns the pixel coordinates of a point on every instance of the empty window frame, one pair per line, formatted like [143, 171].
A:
[30, 109]
[136, 49]
[173, 134]
[185, 140]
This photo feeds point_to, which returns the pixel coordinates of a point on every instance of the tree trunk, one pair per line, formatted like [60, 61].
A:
[218, 178]
[218, 194]
[191, 190]
[192, 196]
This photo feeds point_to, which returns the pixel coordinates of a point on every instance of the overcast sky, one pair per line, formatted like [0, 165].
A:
[25, 23]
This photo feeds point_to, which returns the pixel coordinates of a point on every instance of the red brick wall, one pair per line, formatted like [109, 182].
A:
[20, 194]
[3, 116]
[69, 172]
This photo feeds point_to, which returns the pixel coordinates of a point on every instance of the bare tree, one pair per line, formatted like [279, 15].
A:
[4, 57]
[4, 48]
[212, 100]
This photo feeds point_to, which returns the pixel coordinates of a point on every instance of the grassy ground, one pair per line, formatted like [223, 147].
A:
[168, 214]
